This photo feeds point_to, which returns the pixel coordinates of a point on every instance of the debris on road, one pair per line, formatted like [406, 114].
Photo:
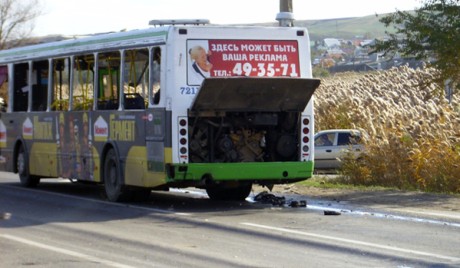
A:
[266, 198]
[5, 216]
[301, 203]
[331, 213]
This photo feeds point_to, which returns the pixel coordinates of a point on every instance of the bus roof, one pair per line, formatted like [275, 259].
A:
[102, 42]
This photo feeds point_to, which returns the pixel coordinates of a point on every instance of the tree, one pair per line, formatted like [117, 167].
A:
[428, 33]
[17, 21]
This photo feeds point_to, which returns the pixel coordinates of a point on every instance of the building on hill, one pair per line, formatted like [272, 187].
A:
[331, 43]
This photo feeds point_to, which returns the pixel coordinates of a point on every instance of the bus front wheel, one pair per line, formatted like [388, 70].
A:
[114, 186]
[22, 163]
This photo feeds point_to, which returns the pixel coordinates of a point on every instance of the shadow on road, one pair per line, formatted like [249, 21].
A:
[62, 201]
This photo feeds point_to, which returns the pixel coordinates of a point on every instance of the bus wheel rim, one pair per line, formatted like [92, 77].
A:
[21, 163]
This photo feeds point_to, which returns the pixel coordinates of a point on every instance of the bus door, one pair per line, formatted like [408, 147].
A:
[157, 117]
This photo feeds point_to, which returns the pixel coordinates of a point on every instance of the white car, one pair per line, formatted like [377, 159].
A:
[331, 145]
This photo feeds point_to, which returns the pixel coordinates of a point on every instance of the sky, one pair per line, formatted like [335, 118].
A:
[79, 17]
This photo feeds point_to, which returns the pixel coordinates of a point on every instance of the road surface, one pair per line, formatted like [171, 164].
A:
[62, 224]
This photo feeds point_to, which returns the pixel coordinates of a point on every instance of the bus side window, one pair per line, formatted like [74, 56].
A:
[156, 71]
[109, 79]
[3, 88]
[21, 87]
[61, 85]
[83, 77]
[136, 78]
[40, 86]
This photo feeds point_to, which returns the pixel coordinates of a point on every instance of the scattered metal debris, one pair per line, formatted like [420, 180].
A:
[332, 213]
[5, 216]
[296, 204]
[266, 198]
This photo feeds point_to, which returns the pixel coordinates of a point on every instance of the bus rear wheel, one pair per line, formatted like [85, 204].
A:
[114, 186]
[22, 163]
[229, 192]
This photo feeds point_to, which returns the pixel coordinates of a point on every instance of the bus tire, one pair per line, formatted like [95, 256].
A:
[225, 192]
[115, 189]
[22, 164]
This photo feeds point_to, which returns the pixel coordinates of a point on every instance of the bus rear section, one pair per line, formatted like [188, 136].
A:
[246, 115]
[213, 107]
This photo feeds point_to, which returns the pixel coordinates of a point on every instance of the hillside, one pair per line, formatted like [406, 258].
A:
[344, 28]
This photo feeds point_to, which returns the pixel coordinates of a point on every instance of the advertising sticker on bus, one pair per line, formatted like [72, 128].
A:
[2, 135]
[260, 58]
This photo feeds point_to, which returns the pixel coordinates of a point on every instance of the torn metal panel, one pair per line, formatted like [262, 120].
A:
[248, 94]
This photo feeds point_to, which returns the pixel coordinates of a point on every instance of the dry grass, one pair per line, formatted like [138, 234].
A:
[414, 133]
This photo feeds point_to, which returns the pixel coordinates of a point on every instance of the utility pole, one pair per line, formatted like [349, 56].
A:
[285, 16]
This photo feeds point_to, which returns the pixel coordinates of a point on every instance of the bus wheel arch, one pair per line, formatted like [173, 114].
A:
[21, 165]
[112, 175]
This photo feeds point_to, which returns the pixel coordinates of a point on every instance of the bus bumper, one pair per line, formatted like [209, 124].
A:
[274, 172]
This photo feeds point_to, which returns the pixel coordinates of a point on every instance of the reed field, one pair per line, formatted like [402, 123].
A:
[413, 131]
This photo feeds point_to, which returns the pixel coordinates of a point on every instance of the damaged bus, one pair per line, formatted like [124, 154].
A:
[180, 104]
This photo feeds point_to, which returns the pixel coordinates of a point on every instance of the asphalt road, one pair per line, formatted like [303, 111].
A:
[61, 224]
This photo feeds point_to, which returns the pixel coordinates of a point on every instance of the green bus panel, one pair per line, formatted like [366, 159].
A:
[255, 171]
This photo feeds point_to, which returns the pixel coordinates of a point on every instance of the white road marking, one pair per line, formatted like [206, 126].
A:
[452, 215]
[392, 216]
[64, 251]
[354, 242]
